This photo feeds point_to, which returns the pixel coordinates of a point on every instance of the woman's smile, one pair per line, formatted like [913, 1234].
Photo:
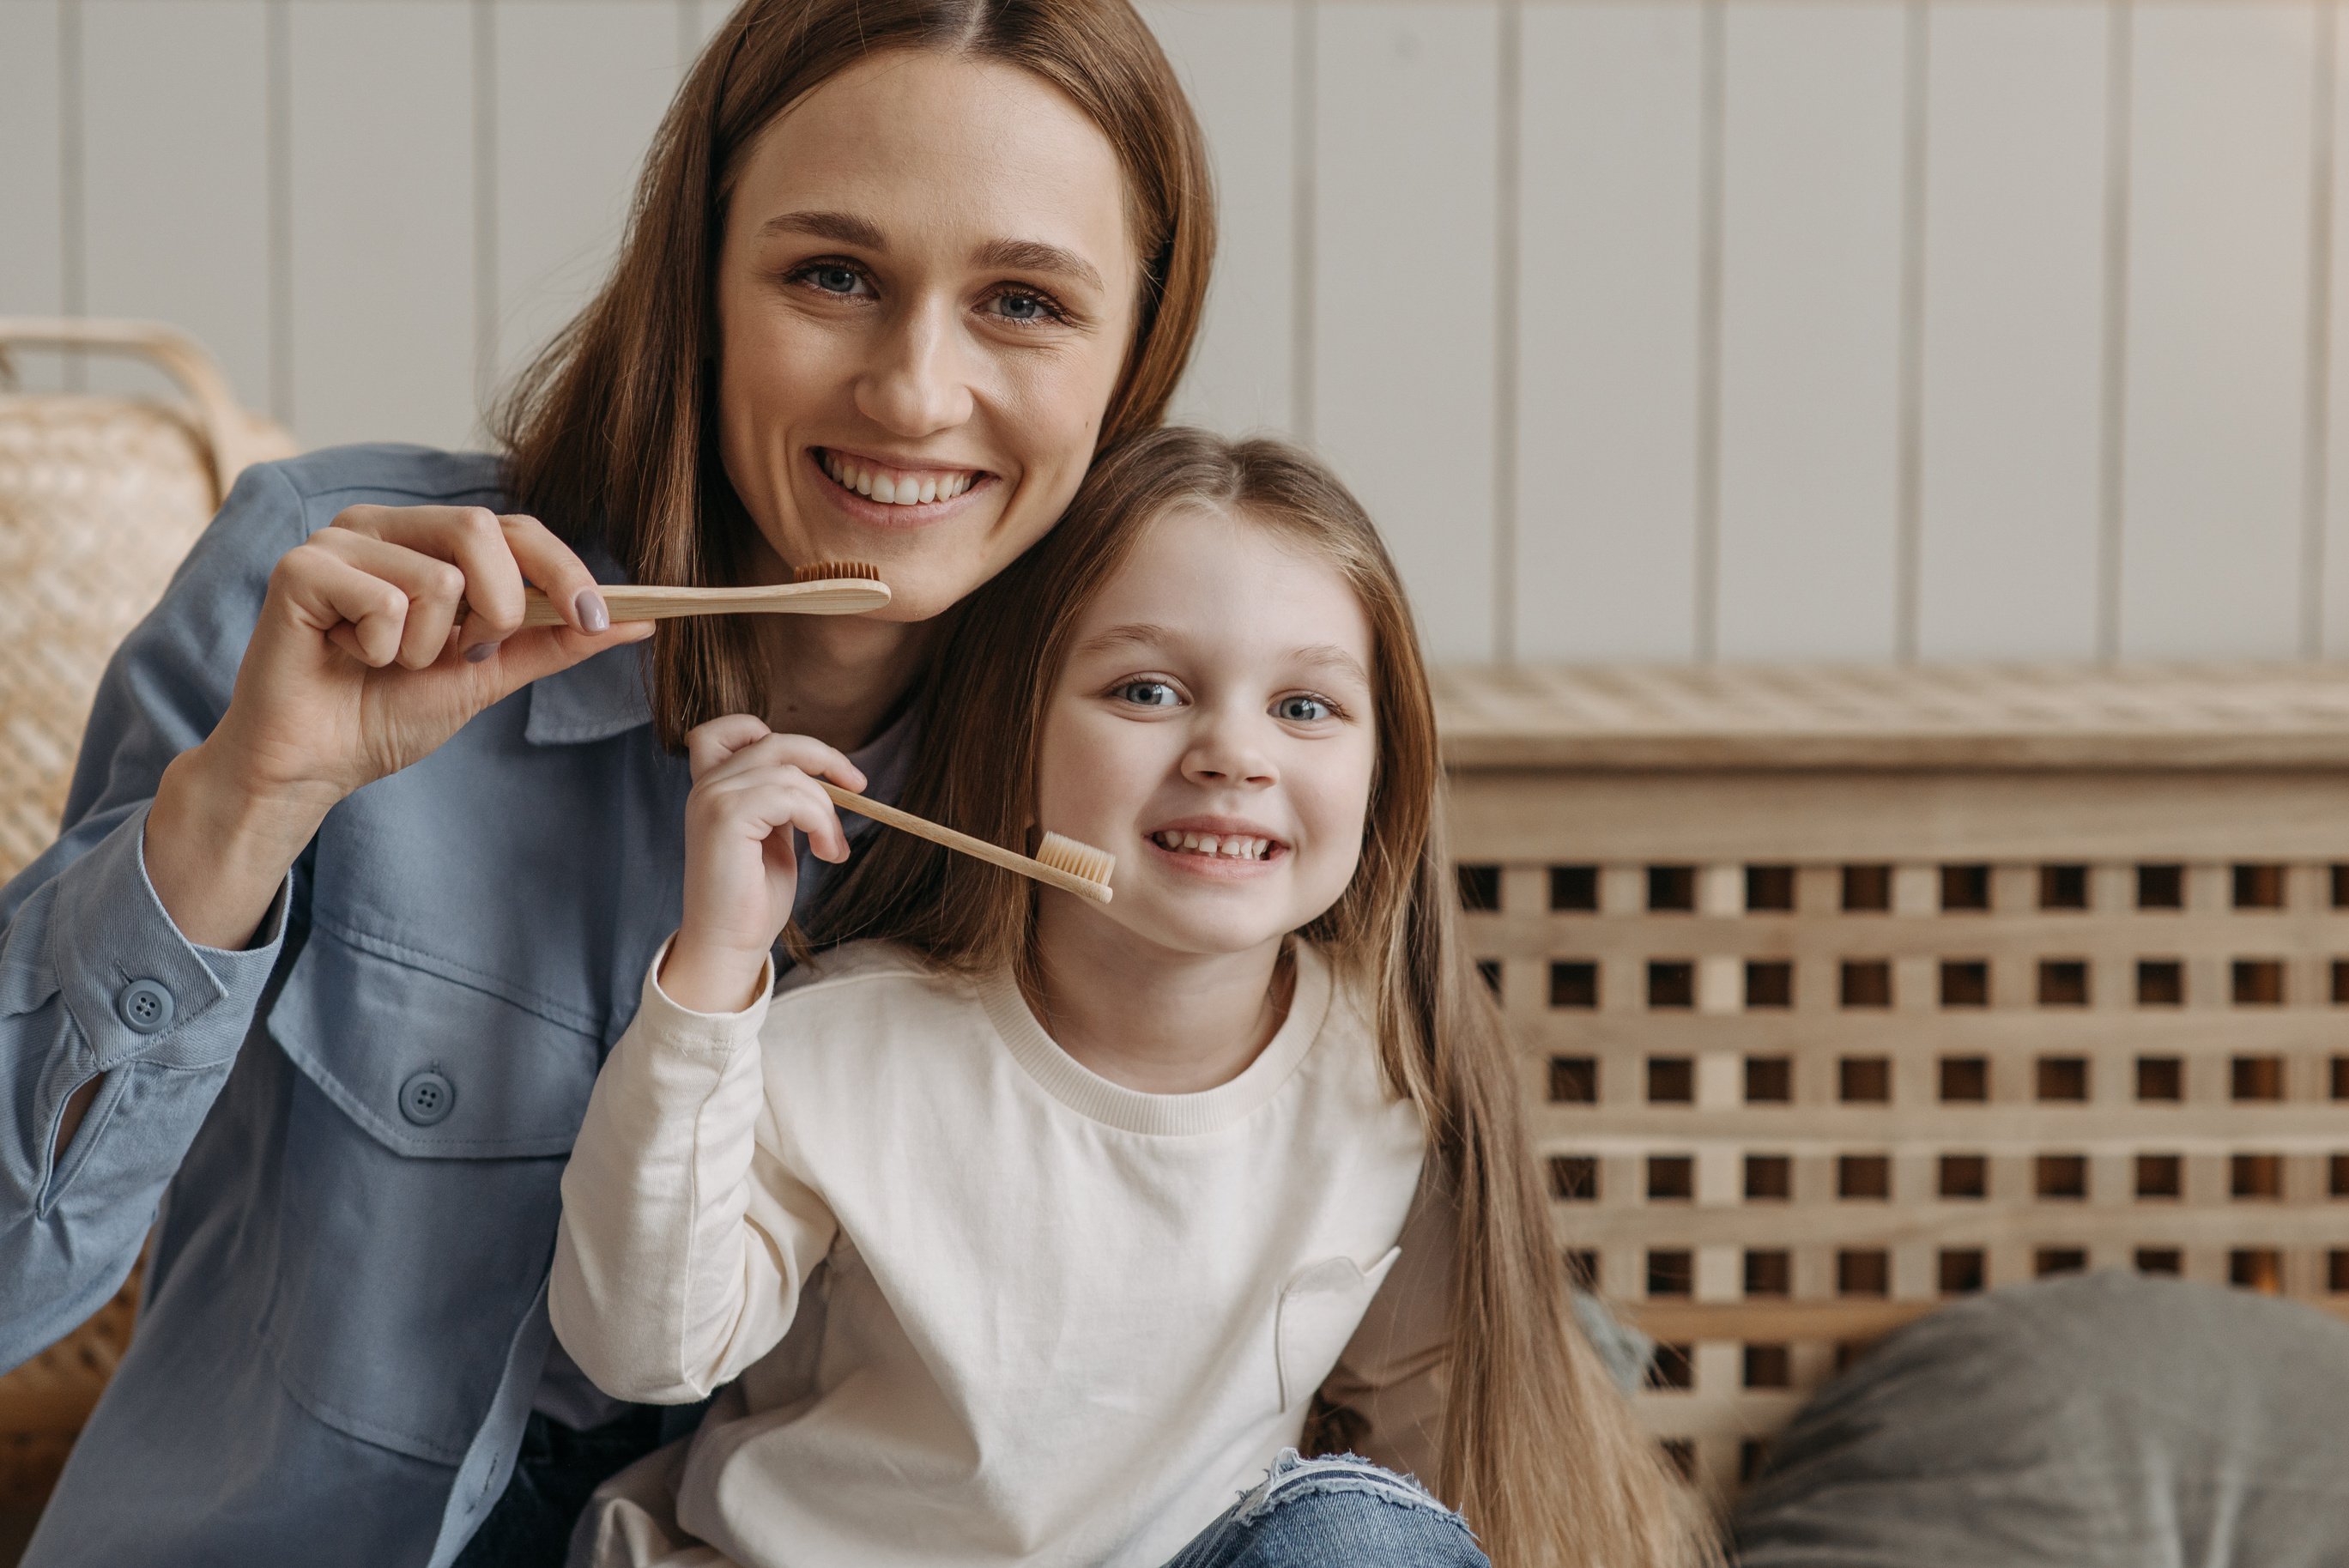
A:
[877, 493]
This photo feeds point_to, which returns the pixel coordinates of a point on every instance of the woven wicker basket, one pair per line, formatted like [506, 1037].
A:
[99, 499]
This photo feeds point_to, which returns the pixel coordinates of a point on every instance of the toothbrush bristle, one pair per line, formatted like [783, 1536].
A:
[831, 571]
[1078, 860]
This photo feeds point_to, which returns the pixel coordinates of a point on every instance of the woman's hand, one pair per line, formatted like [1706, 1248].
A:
[357, 667]
[360, 665]
[752, 788]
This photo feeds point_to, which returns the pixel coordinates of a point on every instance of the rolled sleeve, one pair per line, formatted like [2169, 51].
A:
[135, 987]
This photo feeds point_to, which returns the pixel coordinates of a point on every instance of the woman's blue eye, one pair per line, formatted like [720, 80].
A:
[834, 280]
[1148, 693]
[1301, 709]
[1022, 307]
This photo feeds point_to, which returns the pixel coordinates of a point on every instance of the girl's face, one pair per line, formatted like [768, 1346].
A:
[1212, 729]
[925, 295]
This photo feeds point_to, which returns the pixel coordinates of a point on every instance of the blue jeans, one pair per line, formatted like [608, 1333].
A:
[1339, 1512]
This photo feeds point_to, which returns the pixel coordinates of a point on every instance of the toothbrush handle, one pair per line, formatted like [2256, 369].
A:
[994, 854]
[647, 602]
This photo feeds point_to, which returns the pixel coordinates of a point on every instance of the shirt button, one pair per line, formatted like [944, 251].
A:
[146, 1006]
[427, 1098]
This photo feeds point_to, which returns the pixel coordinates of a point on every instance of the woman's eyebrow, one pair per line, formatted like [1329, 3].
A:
[841, 228]
[1036, 256]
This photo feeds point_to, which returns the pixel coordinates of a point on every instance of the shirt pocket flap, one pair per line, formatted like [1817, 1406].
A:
[1320, 1307]
[432, 1066]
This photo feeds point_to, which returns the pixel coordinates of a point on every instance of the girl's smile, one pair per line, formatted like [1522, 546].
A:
[1216, 845]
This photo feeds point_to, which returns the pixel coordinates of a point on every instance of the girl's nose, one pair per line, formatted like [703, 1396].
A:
[918, 383]
[1228, 751]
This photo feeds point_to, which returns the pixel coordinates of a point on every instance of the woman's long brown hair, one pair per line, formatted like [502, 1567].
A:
[1539, 1448]
[610, 433]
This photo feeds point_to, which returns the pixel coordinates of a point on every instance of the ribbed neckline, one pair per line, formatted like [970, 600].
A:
[1088, 1094]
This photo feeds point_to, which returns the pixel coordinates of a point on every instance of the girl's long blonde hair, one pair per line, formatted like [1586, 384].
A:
[1538, 1449]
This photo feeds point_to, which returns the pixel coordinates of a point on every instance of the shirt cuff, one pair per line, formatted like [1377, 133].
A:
[133, 984]
[672, 1022]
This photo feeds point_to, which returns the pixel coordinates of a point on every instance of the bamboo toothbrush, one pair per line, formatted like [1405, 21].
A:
[827, 588]
[1059, 862]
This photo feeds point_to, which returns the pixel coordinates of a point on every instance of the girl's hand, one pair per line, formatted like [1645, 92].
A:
[752, 788]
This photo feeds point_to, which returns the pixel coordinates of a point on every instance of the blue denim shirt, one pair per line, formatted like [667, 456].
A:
[346, 1138]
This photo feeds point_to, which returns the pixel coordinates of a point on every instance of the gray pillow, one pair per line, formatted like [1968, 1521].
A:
[2103, 1422]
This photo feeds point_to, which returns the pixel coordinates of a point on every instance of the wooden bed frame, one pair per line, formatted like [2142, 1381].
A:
[1843, 991]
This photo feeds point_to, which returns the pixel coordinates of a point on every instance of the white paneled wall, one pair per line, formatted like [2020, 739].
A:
[1656, 329]
[1608, 332]
[2012, 331]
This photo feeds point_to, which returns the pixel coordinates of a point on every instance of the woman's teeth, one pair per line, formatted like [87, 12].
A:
[1229, 846]
[895, 486]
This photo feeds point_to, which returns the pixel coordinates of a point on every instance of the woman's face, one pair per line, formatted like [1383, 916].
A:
[925, 295]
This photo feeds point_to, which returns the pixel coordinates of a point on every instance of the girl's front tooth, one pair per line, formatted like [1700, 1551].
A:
[884, 492]
[929, 490]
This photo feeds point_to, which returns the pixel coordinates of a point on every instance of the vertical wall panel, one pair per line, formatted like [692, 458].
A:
[2217, 325]
[1810, 331]
[581, 85]
[2335, 586]
[1608, 311]
[697, 19]
[1403, 292]
[176, 133]
[1237, 60]
[2015, 166]
[31, 194]
[382, 178]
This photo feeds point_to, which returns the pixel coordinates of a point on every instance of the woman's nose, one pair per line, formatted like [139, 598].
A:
[918, 382]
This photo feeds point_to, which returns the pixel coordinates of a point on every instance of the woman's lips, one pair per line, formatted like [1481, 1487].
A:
[855, 484]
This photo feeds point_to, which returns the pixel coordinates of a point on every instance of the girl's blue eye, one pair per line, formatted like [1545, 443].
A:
[834, 280]
[1301, 709]
[1148, 693]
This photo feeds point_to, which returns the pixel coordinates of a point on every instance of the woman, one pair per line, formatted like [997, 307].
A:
[356, 878]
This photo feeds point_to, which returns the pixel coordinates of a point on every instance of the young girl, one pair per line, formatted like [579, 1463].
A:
[1040, 1229]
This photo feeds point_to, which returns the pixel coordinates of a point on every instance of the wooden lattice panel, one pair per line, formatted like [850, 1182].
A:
[1824, 1024]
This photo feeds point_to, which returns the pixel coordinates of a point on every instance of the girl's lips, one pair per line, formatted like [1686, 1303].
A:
[1212, 868]
[888, 515]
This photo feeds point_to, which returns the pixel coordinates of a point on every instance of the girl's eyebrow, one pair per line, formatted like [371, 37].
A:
[1144, 635]
[1137, 634]
[1330, 656]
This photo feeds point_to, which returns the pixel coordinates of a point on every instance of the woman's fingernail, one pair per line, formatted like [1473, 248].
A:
[480, 651]
[588, 606]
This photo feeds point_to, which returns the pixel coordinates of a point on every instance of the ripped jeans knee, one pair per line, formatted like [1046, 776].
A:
[1338, 1509]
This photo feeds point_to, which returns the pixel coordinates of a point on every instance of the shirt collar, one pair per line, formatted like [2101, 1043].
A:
[596, 698]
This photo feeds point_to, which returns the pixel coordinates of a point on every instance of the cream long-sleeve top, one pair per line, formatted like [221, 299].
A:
[985, 1306]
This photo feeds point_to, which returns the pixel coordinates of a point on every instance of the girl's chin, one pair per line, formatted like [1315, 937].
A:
[1180, 928]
